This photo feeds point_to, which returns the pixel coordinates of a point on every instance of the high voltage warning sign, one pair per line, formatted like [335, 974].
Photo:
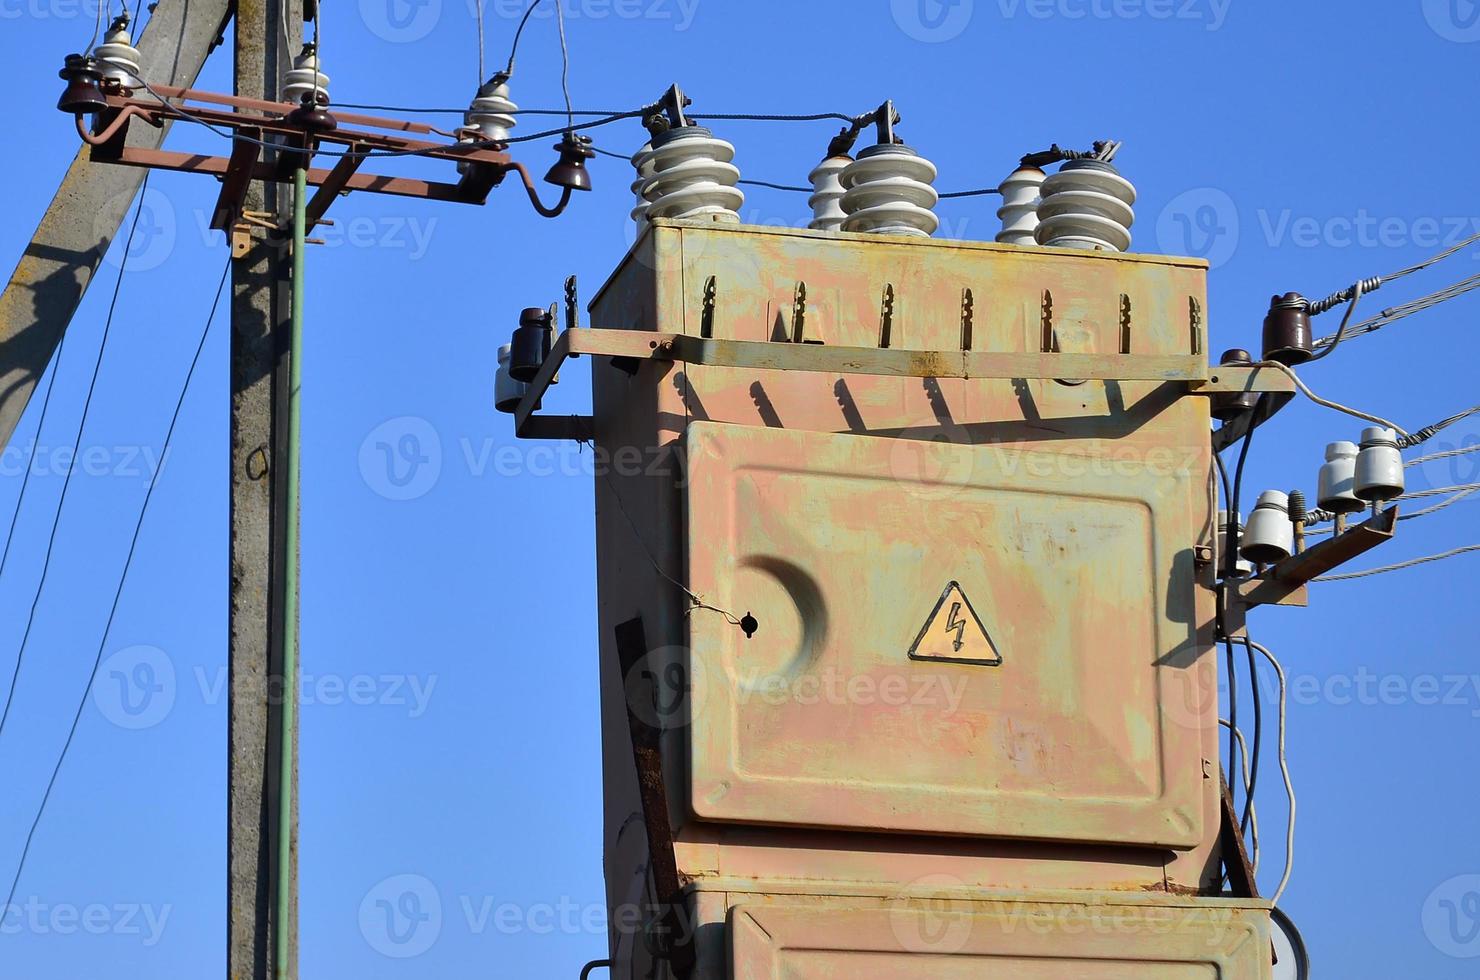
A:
[953, 633]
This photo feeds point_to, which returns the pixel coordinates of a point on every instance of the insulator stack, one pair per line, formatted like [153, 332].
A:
[305, 78]
[1229, 536]
[1287, 336]
[642, 162]
[491, 112]
[1270, 536]
[887, 192]
[1086, 205]
[118, 58]
[1338, 479]
[693, 177]
[490, 116]
[1019, 210]
[1379, 470]
[827, 194]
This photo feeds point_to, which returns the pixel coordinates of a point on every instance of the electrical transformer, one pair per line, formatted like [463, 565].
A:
[906, 579]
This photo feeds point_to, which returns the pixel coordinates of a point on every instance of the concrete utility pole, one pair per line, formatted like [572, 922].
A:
[50, 279]
[268, 34]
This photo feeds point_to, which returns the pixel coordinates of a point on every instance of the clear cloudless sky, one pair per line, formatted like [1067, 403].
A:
[449, 727]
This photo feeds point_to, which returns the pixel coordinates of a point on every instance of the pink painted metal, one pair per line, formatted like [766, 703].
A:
[1040, 938]
[827, 513]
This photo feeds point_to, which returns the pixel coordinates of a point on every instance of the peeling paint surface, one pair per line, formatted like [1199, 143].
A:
[816, 758]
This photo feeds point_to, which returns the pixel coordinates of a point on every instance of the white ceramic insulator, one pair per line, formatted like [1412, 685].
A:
[1087, 204]
[1336, 486]
[827, 194]
[887, 192]
[693, 177]
[642, 162]
[120, 59]
[1019, 210]
[1379, 473]
[1226, 543]
[491, 114]
[1270, 537]
[304, 78]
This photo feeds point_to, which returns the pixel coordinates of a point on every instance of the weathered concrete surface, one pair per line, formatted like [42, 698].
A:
[261, 291]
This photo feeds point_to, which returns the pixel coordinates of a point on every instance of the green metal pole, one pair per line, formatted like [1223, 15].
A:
[282, 927]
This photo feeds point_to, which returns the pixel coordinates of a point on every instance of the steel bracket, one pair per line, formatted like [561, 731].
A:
[636, 346]
[257, 120]
[1284, 584]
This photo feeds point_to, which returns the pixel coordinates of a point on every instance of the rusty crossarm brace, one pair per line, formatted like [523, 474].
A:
[1285, 583]
[255, 119]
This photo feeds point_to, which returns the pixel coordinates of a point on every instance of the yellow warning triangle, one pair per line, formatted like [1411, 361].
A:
[954, 633]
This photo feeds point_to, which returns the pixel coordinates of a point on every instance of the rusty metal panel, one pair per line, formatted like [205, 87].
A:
[744, 284]
[987, 651]
[1027, 940]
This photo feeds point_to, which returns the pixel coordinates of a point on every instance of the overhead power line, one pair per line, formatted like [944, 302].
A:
[1351, 294]
[603, 120]
[1396, 313]
[56, 519]
[1453, 553]
[1284, 769]
[117, 593]
[1446, 454]
[56, 364]
[796, 189]
[518, 33]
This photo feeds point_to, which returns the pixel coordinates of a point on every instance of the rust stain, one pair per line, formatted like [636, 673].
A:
[818, 762]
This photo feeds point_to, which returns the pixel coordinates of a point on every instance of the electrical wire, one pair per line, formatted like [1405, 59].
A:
[1461, 495]
[1230, 664]
[1440, 491]
[979, 192]
[1375, 283]
[1335, 406]
[56, 366]
[790, 188]
[318, 15]
[1347, 576]
[97, 24]
[76, 442]
[287, 40]
[1395, 313]
[1351, 307]
[697, 600]
[481, 46]
[439, 110]
[1446, 454]
[1438, 507]
[1230, 569]
[698, 116]
[1243, 748]
[1284, 769]
[181, 113]
[1429, 431]
[570, 116]
[775, 187]
[571, 127]
[1431, 260]
[1327, 345]
[518, 33]
[117, 595]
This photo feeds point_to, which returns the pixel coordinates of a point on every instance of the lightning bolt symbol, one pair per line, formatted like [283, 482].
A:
[959, 625]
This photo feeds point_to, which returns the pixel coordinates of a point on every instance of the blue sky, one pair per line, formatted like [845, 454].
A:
[449, 725]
